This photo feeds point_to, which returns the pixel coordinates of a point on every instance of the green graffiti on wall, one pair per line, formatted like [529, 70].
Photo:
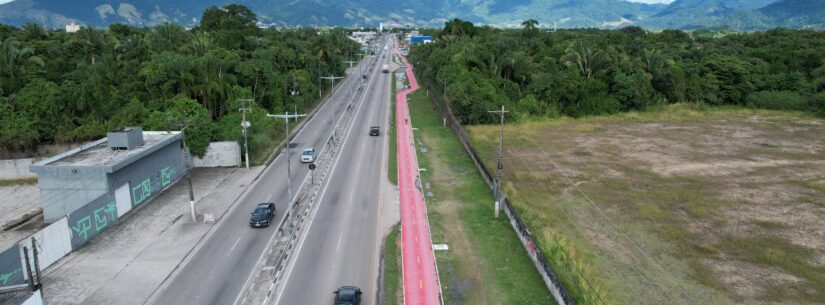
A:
[142, 191]
[83, 226]
[4, 278]
[166, 176]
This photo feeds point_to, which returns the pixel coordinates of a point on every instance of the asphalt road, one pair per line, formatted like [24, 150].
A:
[343, 242]
[217, 271]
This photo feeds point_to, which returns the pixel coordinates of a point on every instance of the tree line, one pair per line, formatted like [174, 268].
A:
[58, 87]
[583, 72]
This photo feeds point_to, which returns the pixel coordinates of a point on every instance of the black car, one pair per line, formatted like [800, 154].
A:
[262, 215]
[375, 130]
[348, 295]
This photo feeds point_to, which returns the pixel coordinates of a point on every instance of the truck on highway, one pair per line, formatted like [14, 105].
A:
[386, 69]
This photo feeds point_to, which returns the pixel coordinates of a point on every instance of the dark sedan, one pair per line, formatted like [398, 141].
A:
[262, 215]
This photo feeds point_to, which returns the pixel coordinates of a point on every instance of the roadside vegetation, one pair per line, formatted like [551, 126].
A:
[58, 87]
[652, 166]
[679, 205]
[485, 263]
[584, 72]
[20, 181]
[393, 291]
[392, 168]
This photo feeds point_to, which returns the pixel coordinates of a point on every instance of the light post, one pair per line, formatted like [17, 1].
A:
[332, 78]
[245, 124]
[286, 116]
[189, 175]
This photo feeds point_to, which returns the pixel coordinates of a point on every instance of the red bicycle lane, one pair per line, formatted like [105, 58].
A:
[421, 284]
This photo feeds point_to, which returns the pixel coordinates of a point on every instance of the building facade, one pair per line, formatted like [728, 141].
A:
[96, 184]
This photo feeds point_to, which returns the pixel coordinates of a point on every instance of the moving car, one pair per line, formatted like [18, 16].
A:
[348, 295]
[262, 215]
[386, 69]
[375, 130]
[308, 156]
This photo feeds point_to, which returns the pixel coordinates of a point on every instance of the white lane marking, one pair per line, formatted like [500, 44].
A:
[300, 245]
[233, 246]
[338, 246]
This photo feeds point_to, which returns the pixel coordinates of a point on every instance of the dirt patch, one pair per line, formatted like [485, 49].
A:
[724, 207]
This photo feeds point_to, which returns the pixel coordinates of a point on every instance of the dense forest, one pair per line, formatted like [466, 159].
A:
[59, 87]
[582, 72]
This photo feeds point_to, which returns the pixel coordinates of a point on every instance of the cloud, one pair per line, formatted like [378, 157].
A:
[5, 1]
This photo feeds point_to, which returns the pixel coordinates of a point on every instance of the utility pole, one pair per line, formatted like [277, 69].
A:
[245, 124]
[286, 116]
[189, 175]
[500, 156]
[332, 78]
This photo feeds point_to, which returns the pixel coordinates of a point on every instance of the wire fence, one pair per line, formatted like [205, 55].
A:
[551, 278]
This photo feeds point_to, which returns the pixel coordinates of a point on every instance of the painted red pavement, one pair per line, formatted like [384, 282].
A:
[421, 285]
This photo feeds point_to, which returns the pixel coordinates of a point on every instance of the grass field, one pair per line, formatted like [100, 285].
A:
[682, 205]
[392, 168]
[392, 268]
[485, 263]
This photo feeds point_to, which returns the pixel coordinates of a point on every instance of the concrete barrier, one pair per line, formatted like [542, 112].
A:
[16, 169]
[220, 154]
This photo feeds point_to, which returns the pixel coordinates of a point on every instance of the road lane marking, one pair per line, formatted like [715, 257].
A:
[338, 246]
[233, 246]
[299, 247]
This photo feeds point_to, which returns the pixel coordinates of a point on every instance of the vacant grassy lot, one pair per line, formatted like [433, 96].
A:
[393, 292]
[485, 263]
[678, 206]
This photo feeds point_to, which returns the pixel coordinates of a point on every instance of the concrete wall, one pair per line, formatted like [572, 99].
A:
[66, 189]
[145, 179]
[220, 154]
[11, 270]
[53, 243]
[16, 169]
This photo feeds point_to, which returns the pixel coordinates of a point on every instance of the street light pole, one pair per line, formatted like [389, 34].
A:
[332, 78]
[189, 176]
[286, 116]
[500, 156]
[245, 124]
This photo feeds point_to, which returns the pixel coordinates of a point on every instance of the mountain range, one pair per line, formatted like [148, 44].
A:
[680, 14]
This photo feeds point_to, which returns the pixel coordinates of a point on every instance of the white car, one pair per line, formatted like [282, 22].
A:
[308, 156]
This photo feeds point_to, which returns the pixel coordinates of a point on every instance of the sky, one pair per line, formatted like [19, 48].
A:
[642, 1]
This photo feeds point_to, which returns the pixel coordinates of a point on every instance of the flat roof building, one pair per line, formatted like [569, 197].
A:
[96, 184]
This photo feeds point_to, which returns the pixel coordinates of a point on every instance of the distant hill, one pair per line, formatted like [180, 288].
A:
[681, 14]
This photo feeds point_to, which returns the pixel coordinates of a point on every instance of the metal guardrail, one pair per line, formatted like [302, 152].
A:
[291, 224]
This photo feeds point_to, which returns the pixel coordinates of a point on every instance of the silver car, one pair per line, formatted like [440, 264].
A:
[308, 156]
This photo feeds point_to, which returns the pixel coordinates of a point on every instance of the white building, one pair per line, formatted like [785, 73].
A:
[72, 27]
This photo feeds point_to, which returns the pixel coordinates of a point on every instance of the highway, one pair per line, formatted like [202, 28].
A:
[216, 272]
[342, 245]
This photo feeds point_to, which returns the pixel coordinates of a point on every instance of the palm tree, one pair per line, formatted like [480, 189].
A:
[653, 62]
[201, 44]
[91, 42]
[167, 37]
[587, 60]
[13, 61]
[33, 31]
[530, 24]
